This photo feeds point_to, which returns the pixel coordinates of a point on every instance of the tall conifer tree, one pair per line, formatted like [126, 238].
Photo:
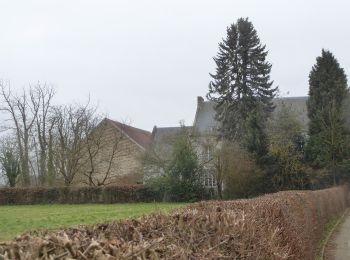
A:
[241, 86]
[328, 88]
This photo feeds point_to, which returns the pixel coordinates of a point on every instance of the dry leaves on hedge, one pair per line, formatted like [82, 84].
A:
[284, 225]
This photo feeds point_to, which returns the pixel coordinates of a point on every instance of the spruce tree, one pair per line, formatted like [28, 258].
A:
[328, 88]
[241, 86]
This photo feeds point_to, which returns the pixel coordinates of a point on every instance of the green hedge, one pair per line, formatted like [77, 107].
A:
[75, 195]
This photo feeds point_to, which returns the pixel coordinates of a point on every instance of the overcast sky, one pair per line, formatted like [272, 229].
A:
[147, 61]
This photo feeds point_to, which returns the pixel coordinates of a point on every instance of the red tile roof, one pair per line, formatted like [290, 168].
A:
[141, 137]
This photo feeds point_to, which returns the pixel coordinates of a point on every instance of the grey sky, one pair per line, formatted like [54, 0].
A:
[147, 61]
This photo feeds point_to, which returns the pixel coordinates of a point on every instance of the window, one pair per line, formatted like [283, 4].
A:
[206, 153]
[208, 179]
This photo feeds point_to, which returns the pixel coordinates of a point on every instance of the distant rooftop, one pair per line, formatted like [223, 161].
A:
[205, 115]
[160, 133]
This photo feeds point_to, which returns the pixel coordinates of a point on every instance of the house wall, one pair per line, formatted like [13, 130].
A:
[162, 149]
[125, 165]
[205, 145]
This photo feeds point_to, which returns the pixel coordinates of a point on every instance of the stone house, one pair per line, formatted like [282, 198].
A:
[202, 134]
[205, 125]
[160, 150]
[113, 154]
[117, 151]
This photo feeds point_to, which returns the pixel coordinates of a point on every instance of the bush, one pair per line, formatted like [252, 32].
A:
[74, 195]
[285, 168]
[241, 177]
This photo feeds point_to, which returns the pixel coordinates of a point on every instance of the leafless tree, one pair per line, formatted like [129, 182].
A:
[221, 165]
[57, 143]
[22, 110]
[158, 155]
[68, 140]
[105, 148]
[156, 159]
[45, 122]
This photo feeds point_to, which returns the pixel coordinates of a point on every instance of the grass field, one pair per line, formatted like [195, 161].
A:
[15, 220]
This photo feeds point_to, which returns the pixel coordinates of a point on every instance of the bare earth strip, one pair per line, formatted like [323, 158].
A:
[339, 246]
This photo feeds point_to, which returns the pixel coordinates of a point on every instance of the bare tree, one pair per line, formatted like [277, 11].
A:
[236, 172]
[45, 121]
[105, 148]
[157, 157]
[57, 143]
[69, 140]
[22, 111]
[221, 165]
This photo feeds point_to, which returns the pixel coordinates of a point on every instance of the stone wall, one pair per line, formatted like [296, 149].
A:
[112, 155]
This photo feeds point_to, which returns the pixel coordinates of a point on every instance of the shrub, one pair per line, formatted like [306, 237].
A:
[285, 169]
[241, 177]
[284, 225]
[108, 194]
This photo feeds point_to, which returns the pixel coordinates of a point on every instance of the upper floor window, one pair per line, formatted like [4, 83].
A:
[209, 180]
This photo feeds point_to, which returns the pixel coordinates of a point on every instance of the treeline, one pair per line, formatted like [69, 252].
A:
[77, 195]
[45, 144]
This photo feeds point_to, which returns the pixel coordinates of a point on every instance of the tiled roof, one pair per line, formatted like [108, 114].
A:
[139, 136]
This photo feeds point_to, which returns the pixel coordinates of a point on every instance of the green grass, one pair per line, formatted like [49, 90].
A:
[15, 220]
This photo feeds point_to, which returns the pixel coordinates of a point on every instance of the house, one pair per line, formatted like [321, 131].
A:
[163, 139]
[113, 154]
[160, 150]
[122, 154]
[205, 125]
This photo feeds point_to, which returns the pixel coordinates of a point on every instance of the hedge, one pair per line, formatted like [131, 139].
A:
[284, 225]
[74, 195]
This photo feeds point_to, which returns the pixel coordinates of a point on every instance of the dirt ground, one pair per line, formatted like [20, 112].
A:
[339, 246]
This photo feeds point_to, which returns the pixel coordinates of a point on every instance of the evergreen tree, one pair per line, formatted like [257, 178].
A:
[241, 86]
[9, 161]
[182, 177]
[184, 171]
[326, 146]
[255, 137]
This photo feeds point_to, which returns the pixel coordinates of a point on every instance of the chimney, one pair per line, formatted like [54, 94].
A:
[154, 132]
[200, 100]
